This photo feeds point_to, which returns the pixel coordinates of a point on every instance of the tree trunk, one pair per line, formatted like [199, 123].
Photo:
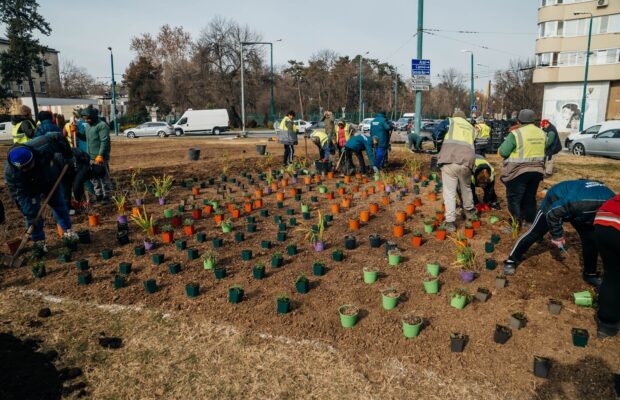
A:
[35, 107]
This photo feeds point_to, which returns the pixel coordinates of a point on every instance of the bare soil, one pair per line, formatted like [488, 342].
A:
[376, 357]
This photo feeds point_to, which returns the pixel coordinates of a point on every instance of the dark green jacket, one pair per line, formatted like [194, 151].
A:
[98, 140]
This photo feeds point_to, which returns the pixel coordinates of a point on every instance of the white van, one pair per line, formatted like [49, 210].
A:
[199, 122]
[591, 131]
[6, 129]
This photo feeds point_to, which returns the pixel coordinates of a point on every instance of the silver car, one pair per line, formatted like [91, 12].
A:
[606, 143]
[161, 129]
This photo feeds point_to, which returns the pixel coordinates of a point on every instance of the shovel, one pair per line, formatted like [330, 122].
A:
[28, 232]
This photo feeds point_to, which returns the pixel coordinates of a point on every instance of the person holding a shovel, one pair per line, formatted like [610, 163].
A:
[31, 171]
[572, 201]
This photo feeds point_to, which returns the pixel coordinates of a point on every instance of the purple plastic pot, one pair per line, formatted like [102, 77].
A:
[149, 245]
[266, 190]
[139, 202]
[388, 188]
[162, 201]
[122, 219]
[293, 180]
[319, 246]
[467, 276]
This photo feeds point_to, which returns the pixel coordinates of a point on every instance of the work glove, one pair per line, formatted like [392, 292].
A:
[375, 169]
[99, 160]
[560, 242]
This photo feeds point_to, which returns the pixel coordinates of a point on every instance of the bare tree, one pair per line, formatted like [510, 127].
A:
[515, 90]
[75, 81]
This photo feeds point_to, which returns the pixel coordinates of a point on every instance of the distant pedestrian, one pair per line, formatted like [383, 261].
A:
[554, 147]
[381, 129]
[98, 148]
[288, 137]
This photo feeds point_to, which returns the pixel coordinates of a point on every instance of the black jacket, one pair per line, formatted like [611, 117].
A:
[556, 146]
[51, 152]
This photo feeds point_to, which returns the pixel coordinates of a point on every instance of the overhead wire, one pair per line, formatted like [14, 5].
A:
[471, 44]
[480, 32]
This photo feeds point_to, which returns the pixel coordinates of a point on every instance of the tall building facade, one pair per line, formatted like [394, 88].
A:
[561, 57]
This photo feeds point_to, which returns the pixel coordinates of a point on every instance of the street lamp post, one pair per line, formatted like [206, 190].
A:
[273, 103]
[114, 115]
[471, 85]
[360, 86]
[585, 79]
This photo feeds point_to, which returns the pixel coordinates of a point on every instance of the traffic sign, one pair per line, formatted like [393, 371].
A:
[420, 67]
[474, 108]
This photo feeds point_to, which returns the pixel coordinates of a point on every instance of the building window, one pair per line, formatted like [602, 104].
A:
[578, 58]
[545, 3]
[43, 87]
[579, 27]
[20, 87]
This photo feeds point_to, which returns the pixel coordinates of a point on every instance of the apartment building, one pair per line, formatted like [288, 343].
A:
[560, 61]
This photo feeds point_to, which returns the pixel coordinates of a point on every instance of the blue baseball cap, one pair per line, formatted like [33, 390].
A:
[20, 156]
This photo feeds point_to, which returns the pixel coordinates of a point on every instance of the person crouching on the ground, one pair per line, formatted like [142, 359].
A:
[380, 128]
[343, 133]
[288, 137]
[30, 172]
[357, 144]
[607, 236]
[98, 145]
[484, 177]
[523, 152]
[456, 160]
[555, 145]
[483, 135]
[46, 124]
[414, 140]
[572, 201]
[321, 139]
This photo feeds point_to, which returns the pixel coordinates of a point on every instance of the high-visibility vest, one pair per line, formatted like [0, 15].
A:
[479, 161]
[460, 132]
[70, 132]
[322, 136]
[20, 137]
[530, 147]
[484, 131]
[283, 124]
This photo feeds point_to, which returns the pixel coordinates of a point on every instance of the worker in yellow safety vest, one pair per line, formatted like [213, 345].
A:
[523, 152]
[483, 136]
[70, 132]
[23, 125]
[288, 137]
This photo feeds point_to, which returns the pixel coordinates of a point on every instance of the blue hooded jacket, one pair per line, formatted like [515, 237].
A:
[380, 128]
[358, 143]
[573, 201]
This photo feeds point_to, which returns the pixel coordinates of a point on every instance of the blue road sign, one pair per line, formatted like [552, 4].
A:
[474, 108]
[420, 67]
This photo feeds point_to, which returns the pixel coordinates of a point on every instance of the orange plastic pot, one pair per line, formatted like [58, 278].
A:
[208, 209]
[354, 224]
[218, 218]
[381, 187]
[280, 196]
[293, 191]
[432, 196]
[401, 216]
[195, 190]
[355, 189]
[347, 179]
[364, 215]
[274, 186]
[307, 180]
[385, 200]
[335, 208]
[247, 207]
[167, 237]
[371, 190]
[258, 193]
[258, 203]
[236, 213]
[317, 179]
[197, 214]
[330, 175]
[341, 190]
[189, 230]
[93, 220]
[410, 209]
[329, 196]
[398, 230]
[440, 216]
[417, 202]
[346, 203]
[441, 235]
[364, 194]
[374, 208]
[476, 224]
[135, 211]
[469, 233]
[416, 241]
[358, 175]
[364, 180]
[284, 183]
[424, 177]
[230, 207]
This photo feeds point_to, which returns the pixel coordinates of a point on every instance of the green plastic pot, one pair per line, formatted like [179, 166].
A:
[168, 213]
[493, 220]
[411, 330]
[305, 208]
[393, 259]
[226, 228]
[583, 299]
[370, 276]
[348, 320]
[458, 302]
[322, 189]
[428, 228]
[389, 303]
[489, 247]
[433, 269]
[431, 287]
[119, 281]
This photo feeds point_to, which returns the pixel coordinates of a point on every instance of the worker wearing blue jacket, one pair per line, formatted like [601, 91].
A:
[357, 144]
[380, 128]
[572, 201]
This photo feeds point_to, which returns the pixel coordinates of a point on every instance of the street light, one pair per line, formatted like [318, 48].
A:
[471, 88]
[360, 114]
[585, 79]
[273, 104]
[113, 93]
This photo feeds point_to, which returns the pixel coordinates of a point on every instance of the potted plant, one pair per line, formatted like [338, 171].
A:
[389, 298]
[431, 285]
[482, 294]
[291, 249]
[209, 259]
[375, 240]
[441, 232]
[350, 242]
[161, 187]
[459, 297]
[411, 325]
[580, 337]
[428, 226]
[145, 222]
[348, 315]
[502, 334]
[64, 255]
[84, 278]
[150, 286]
[542, 366]
[38, 269]
[283, 304]
[258, 271]
[219, 271]
[167, 234]
[174, 268]
[469, 230]
[119, 281]
[489, 247]
[466, 259]
[277, 260]
[394, 257]
[518, 320]
[188, 227]
[433, 269]
[337, 255]
[490, 264]
[583, 298]
[555, 306]
[370, 274]
[475, 222]
[318, 268]
[302, 284]
[500, 280]
[192, 289]
[235, 294]
[416, 239]
[457, 342]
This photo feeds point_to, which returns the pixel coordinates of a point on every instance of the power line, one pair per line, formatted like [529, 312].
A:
[480, 32]
[472, 44]
[403, 45]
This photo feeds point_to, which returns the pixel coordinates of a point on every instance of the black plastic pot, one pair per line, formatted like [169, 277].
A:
[390, 246]
[281, 236]
[124, 268]
[157, 259]
[457, 343]
[120, 227]
[82, 264]
[490, 264]
[258, 273]
[192, 254]
[246, 255]
[220, 272]
[139, 250]
[235, 295]
[580, 337]
[181, 244]
[337, 256]
[350, 242]
[119, 281]
[281, 227]
[291, 249]
[201, 237]
[434, 165]
[192, 290]
[84, 236]
[239, 237]
[318, 269]
[39, 272]
[502, 334]
[375, 241]
[265, 244]
[84, 277]
[217, 243]
[122, 237]
[194, 154]
[174, 268]
[302, 286]
[542, 366]
[150, 286]
[106, 254]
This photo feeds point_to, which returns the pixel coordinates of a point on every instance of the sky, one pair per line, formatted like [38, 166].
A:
[82, 30]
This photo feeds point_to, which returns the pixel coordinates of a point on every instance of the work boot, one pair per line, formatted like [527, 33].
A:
[593, 280]
[471, 213]
[510, 267]
[450, 227]
[604, 330]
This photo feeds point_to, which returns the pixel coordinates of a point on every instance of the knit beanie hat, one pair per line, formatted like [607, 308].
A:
[20, 156]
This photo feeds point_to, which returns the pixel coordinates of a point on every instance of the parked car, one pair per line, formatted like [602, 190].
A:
[6, 129]
[605, 143]
[302, 125]
[365, 124]
[276, 127]
[197, 122]
[591, 131]
[401, 124]
[161, 129]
